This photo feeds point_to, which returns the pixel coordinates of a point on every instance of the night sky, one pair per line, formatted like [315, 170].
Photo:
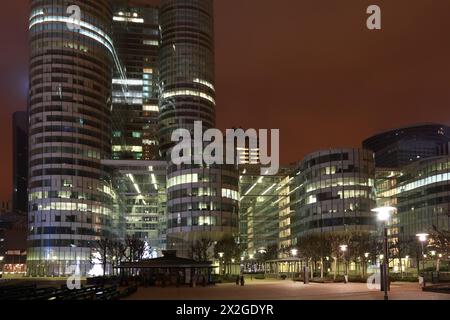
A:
[308, 67]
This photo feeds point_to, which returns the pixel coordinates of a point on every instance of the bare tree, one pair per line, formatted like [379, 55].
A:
[117, 251]
[135, 248]
[102, 247]
[200, 249]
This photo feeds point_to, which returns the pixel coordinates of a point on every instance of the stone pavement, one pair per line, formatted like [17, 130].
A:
[287, 290]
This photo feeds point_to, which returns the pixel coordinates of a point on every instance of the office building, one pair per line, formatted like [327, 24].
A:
[336, 193]
[264, 209]
[186, 67]
[141, 189]
[421, 194]
[71, 201]
[202, 200]
[400, 147]
[135, 84]
[202, 203]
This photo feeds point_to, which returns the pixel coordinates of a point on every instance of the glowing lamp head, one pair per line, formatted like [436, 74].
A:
[221, 254]
[343, 247]
[294, 252]
[383, 213]
[422, 237]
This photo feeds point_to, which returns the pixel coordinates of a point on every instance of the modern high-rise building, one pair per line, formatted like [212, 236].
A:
[202, 203]
[71, 202]
[20, 162]
[264, 209]
[135, 84]
[336, 192]
[202, 200]
[141, 188]
[186, 67]
[421, 194]
[400, 147]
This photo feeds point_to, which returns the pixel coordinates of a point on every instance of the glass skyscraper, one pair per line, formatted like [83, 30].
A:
[186, 67]
[336, 192]
[71, 199]
[402, 146]
[135, 84]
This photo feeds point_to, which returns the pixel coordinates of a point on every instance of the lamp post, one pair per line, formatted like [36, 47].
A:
[294, 253]
[344, 248]
[423, 237]
[221, 254]
[383, 215]
[251, 256]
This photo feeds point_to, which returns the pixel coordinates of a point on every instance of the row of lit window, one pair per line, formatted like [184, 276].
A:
[182, 179]
[175, 93]
[339, 182]
[230, 194]
[70, 206]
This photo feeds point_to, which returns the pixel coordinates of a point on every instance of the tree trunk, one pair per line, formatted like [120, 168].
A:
[334, 268]
[321, 267]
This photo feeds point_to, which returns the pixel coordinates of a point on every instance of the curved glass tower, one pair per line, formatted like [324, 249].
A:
[336, 193]
[202, 200]
[71, 202]
[187, 92]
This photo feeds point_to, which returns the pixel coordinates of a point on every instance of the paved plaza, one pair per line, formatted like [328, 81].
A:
[287, 290]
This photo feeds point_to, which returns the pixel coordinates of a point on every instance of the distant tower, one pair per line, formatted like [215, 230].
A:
[20, 162]
[135, 92]
[186, 67]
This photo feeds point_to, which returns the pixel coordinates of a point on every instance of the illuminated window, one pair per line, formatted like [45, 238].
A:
[175, 93]
[151, 108]
[182, 179]
[151, 42]
[130, 82]
[126, 19]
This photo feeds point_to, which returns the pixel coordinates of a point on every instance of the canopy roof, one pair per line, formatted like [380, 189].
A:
[169, 260]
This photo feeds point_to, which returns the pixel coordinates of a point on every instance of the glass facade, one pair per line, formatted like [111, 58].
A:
[336, 192]
[141, 188]
[71, 202]
[135, 84]
[400, 147]
[202, 203]
[421, 194]
[264, 209]
[186, 67]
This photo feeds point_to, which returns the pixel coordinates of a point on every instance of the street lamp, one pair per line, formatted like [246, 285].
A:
[251, 256]
[221, 254]
[344, 248]
[383, 215]
[294, 253]
[423, 237]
